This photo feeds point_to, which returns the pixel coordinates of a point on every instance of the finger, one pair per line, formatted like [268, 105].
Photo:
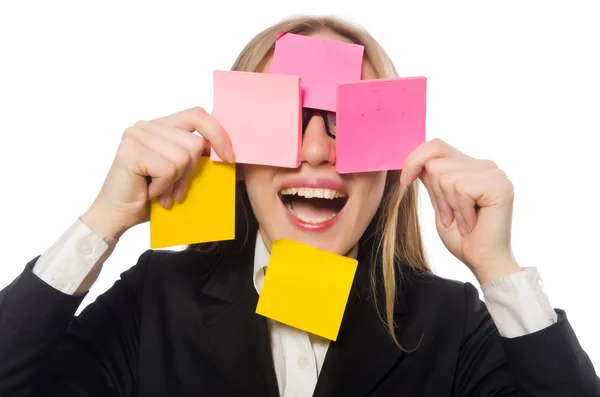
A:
[460, 224]
[444, 165]
[146, 216]
[166, 198]
[486, 188]
[446, 185]
[440, 221]
[427, 183]
[461, 203]
[466, 207]
[446, 211]
[437, 167]
[181, 185]
[194, 145]
[433, 169]
[176, 154]
[415, 162]
[160, 170]
[197, 119]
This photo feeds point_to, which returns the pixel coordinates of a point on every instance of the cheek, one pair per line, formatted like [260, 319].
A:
[371, 186]
[259, 183]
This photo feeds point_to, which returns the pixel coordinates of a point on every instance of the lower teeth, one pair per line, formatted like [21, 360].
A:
[309, 220]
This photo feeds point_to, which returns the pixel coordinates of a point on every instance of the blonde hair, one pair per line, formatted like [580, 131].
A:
[397, 232]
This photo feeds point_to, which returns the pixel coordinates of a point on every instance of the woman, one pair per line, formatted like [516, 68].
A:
[184, 323]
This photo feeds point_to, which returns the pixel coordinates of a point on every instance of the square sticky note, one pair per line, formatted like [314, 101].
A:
[261, 113]
[321, 63]
[206, 213]
[379, 123]
[306, 288]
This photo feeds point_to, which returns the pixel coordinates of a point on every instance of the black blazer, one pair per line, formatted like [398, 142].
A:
[184, 324]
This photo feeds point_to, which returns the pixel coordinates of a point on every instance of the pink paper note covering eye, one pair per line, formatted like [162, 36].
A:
[320, 63]
[261, 113]
[379, 123]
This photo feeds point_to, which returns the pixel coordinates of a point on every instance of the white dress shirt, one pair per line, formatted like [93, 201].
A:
[297, 355]
[517, 303]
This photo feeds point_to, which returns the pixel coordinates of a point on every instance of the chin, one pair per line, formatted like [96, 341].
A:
[325, 243]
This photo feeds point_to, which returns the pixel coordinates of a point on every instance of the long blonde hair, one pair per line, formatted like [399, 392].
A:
[397, 235]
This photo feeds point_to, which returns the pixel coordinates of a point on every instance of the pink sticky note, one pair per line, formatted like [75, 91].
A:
[321, 63]
[379, 123]
[261, 113]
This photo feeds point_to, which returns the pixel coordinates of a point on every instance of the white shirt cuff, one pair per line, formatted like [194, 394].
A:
[518, 304]
[67, 262]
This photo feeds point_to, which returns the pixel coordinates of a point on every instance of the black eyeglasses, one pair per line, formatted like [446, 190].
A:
[328, 119]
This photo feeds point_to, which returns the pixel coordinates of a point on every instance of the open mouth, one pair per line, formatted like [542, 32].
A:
[313, 205]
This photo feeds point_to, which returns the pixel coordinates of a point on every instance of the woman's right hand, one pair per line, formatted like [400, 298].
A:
[163, 152]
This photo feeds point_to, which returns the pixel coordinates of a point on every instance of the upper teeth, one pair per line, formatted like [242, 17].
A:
[310, 192]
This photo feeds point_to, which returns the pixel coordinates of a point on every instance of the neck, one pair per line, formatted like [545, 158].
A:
[352, 253]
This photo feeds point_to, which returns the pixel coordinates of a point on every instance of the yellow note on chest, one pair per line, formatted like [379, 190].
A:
[306, 288]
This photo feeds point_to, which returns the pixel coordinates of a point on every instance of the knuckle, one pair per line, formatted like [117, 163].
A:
[197, 147]
[183, 160]
[446, 181]
[431, 166]
[198, 111]
[128, 146]
[131, 131]
[141, 123]
[489, 163]
[437, 142]
[170, 170]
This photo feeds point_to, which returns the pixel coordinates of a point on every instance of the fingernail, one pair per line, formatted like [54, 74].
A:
[468, 229]
[167, 202]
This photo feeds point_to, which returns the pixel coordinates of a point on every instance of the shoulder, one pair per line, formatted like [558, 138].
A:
[430, 287]
[446, 300]
[157, 267]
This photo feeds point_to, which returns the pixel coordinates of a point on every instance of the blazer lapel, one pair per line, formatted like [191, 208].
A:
[364, 351]
[238, 337]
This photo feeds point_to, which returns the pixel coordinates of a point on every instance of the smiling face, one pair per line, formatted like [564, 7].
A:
[313, 204]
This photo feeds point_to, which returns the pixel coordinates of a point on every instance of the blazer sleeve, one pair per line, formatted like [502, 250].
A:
[547, 363]
[46, 350]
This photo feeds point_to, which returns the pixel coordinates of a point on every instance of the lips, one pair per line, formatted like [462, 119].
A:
[313, 204]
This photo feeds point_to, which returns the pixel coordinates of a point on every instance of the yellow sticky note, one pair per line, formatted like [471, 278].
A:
[207, 212]
[306, 288]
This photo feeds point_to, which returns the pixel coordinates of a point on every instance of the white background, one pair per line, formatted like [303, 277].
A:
[516, 82]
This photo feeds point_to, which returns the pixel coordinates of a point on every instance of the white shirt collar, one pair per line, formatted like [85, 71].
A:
[261, 261]
[262, 256]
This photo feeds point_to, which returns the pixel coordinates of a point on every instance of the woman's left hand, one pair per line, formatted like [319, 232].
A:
[473, 203]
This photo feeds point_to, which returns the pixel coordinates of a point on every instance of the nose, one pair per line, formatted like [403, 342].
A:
[317, 147]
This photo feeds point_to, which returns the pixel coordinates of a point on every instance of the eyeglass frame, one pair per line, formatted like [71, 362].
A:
[310, 113]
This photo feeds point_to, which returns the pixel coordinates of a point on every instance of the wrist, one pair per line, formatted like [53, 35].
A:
[491, 273]
[100, 224]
